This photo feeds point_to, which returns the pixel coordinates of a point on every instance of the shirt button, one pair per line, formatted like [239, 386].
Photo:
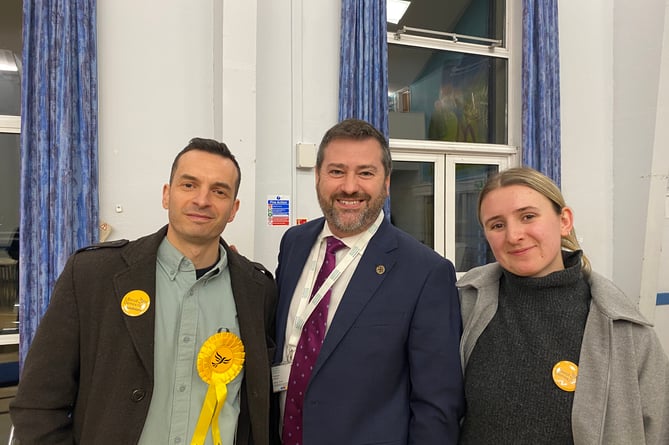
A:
[177, 440]
[186, 339]
[137, 395]
[182, 388]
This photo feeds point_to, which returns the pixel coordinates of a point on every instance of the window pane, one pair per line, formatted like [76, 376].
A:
[9, 223]
[480, 18]
[442, 95]
[412, 199]
[471, 247]
[10, 83]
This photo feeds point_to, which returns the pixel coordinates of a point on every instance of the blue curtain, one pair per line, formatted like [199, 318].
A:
[363, 65]
[59, 160]
[541, 88]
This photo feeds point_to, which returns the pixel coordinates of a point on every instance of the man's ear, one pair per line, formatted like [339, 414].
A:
[235, 209]
[166, 196]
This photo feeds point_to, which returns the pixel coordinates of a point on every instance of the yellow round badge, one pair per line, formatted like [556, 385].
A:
[222, 354]
[135, 303]
[565, 374]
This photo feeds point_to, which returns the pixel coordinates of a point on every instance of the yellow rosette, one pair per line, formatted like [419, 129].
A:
[219, 361]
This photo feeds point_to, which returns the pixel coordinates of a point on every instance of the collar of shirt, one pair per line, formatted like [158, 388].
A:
[339, 286]
[173, 261]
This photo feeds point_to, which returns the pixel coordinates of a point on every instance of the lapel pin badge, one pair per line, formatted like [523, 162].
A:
[380, 269]
[135, 303]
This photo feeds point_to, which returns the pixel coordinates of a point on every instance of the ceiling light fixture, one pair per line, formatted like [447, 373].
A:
[395, 9]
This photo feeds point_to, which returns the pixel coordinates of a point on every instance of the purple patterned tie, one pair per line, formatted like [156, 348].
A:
[308, 347]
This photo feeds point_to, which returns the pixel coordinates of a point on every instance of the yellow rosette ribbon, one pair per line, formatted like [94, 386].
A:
[219, 361]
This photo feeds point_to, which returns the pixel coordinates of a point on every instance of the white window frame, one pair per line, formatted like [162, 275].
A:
[438, 161]
[446, 155]
[502, 162]
[511, 50]
[11, 125]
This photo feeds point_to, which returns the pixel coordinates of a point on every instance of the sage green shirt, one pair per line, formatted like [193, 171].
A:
[188, 312]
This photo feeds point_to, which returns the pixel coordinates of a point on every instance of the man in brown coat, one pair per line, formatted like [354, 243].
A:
[120, 356]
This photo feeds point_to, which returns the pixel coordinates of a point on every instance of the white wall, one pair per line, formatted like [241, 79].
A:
[662, 312]
[263, 76]
[298, 72]
[235, 105]
[636, 79]
[155, 92]
[586, 63]
[170, 71]
[610, 62]
[659, 193]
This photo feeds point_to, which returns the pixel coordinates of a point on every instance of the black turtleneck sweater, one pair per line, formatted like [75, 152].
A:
[509, 388]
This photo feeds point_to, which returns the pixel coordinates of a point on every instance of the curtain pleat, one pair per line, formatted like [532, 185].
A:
[541, 88]
[363, 75]
[363, 65]
[59, 158]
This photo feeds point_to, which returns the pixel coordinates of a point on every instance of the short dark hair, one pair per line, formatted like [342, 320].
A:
[209, 146]
[358, 130]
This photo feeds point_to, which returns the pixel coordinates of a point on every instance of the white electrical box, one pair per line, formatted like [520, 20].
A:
[306, 155]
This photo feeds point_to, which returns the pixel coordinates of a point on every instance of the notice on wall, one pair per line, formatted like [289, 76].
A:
[278, 210]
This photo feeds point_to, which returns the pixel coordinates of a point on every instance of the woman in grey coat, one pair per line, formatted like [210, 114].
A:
[553, 352]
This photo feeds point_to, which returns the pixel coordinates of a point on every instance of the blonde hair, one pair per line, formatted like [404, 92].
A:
[542, 184]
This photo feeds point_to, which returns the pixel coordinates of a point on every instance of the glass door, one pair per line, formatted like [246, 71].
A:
[434, 198]
[416, 198]
[466, 243]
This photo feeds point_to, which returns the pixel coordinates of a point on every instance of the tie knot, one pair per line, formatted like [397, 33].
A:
[334, 244]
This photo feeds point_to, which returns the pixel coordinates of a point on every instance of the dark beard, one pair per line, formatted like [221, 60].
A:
[365, 218]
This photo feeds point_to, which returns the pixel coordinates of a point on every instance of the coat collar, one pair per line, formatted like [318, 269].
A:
[610, 300]
[141, 256]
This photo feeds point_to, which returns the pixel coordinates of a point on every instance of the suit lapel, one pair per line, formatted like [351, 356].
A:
[293, 263]
[365, 282]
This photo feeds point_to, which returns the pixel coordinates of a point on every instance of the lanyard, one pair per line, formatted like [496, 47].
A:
[306, 307]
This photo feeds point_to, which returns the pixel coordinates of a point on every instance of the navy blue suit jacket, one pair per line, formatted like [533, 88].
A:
[389, 369]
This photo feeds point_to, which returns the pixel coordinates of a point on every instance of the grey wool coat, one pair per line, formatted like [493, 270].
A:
[622, 392]
[88, 377]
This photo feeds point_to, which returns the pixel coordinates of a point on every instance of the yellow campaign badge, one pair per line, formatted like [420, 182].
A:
[565, 374]
[135, 303]
[219, 361]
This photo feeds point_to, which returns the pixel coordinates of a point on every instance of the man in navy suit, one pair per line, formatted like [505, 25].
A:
[388, 369]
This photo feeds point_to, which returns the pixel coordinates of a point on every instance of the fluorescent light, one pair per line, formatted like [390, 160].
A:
[7, 62]
[395, 10]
